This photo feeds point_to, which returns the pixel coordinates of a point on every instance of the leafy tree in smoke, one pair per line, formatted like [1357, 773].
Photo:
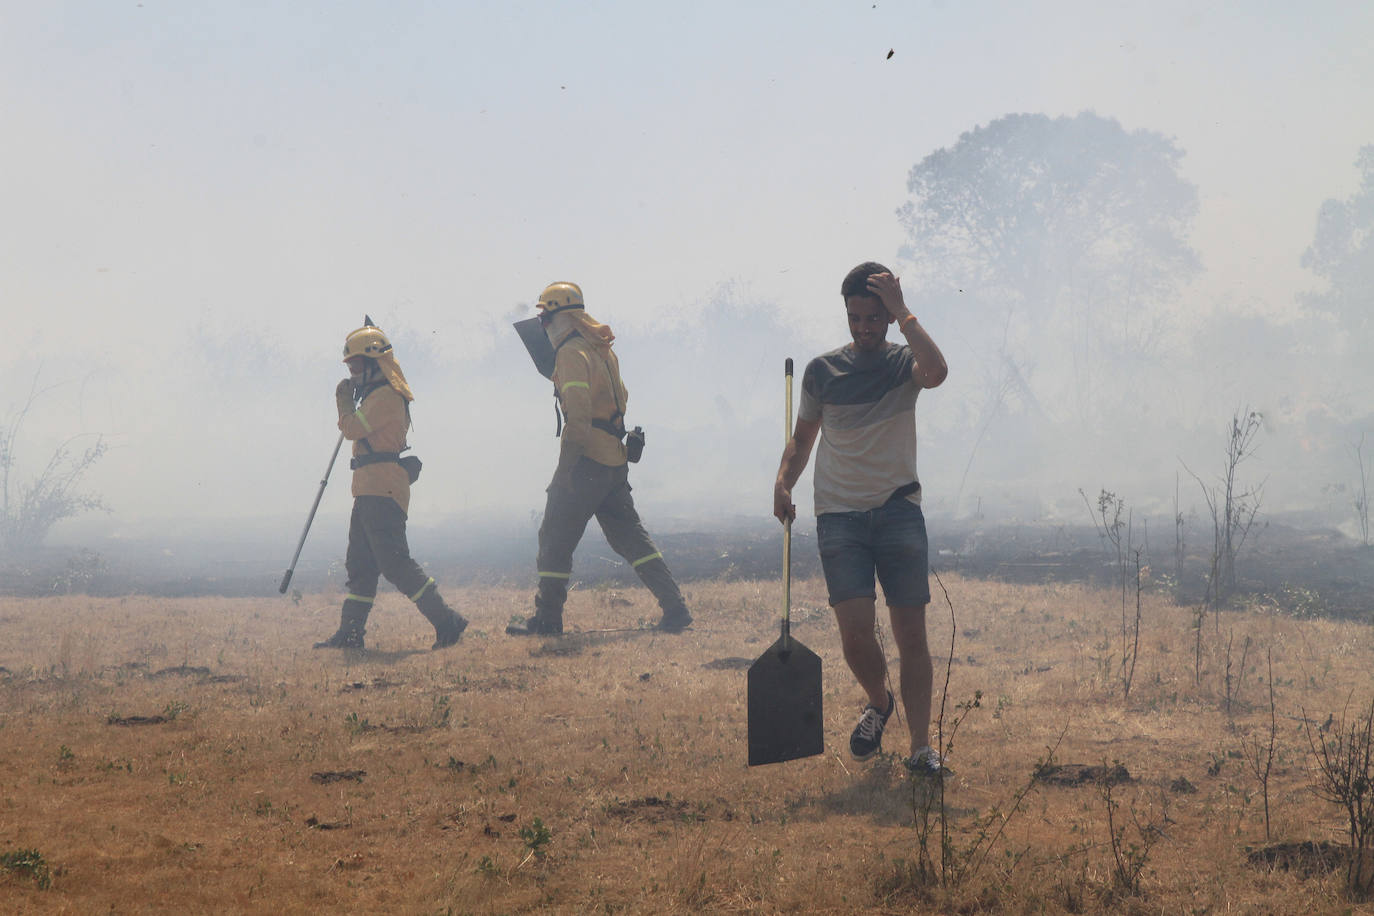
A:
[1338, 419]
[1342, 254]
[1058, 239]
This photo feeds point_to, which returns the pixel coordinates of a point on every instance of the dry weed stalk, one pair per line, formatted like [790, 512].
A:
[1128, 672]
[1231, 684]
[1261, 756]
[1361, 501]
[1179, 543]
[957, 865]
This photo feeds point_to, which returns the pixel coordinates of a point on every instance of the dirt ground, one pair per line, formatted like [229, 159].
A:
[195, 755]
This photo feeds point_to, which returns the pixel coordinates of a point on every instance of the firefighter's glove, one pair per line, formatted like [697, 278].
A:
[343, 396]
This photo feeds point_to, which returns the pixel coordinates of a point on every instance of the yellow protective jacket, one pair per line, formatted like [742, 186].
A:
[382, 420]
[587, 381]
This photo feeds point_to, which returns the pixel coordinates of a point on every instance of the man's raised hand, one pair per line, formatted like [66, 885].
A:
[888, 289]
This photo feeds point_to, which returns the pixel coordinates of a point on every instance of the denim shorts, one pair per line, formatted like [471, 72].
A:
[889, 540]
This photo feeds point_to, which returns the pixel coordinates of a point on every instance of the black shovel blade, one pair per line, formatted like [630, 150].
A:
[785, 704]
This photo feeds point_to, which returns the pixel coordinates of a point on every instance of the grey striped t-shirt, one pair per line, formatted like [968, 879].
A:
[866, 403]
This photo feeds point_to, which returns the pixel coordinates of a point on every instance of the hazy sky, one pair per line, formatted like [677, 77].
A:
[266, 173]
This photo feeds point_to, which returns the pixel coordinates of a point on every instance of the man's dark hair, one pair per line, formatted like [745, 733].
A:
[856, 281]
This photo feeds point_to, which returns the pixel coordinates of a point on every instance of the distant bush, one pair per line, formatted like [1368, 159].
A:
[29, 509]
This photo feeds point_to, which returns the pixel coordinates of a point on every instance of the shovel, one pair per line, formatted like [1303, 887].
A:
[785, 681]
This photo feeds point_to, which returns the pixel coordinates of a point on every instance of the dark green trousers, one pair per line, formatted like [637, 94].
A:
[596, 490]
[377, 547]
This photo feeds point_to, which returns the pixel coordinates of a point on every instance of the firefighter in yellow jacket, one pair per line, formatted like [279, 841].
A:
[374, 414]
[592, 478]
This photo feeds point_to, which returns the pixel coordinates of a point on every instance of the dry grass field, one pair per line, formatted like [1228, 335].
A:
[195, 755]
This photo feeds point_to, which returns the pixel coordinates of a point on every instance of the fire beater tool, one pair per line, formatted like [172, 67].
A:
[286, 579]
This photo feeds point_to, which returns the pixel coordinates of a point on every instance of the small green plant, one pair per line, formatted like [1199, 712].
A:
[265, 808]
[440, 711]
[537, 838]
[356, 725]
[65, 755]
[485, 866]
[1303, 602]
[174, 709]
[27, 863]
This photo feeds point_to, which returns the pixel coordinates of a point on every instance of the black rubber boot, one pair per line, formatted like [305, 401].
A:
[352, 624]
[541, 624]
[675, 620]
[448, 623]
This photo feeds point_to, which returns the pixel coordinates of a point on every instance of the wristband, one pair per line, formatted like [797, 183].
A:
[901, 325]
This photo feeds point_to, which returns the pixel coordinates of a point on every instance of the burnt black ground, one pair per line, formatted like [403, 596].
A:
[1301, 569]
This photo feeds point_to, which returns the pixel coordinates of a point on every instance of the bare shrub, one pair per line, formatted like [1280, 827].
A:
[959, 864]
[1344, 756]
[1233, 508]
[29, 509]
[1130, 849]
[1110, 530]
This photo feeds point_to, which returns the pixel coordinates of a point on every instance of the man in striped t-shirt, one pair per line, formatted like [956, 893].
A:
[860, 400]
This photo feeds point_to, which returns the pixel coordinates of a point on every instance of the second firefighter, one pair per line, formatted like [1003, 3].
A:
[592, 477]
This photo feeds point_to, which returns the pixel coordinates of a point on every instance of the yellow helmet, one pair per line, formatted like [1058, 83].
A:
[559, 296]
[368, 340]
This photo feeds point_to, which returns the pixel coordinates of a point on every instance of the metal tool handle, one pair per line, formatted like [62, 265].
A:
[787, 526]
[286, 579]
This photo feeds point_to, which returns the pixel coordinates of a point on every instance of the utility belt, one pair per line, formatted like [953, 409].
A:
[614, 426]
[410, 463]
